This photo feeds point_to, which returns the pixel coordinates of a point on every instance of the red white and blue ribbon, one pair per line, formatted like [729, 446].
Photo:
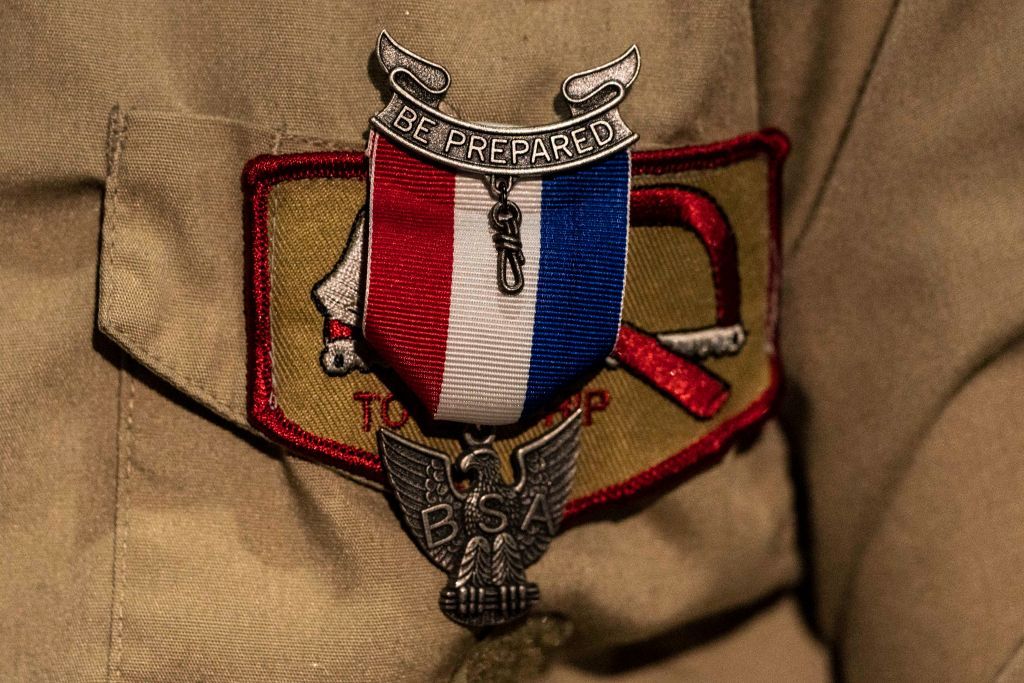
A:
[433, 310]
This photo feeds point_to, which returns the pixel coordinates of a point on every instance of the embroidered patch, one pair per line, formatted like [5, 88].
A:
[694, 361]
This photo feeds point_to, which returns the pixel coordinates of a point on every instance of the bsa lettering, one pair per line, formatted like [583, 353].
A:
[438, 517]
[440, 527]
[485, 534]
[539, 512]
[493, 519]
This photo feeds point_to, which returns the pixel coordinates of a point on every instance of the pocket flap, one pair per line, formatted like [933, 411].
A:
[171, 285]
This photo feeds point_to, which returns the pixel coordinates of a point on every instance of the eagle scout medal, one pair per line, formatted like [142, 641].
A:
[495, 264]
[485, 535]
[450, 314]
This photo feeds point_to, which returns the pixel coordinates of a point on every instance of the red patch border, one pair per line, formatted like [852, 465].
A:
[264, 172]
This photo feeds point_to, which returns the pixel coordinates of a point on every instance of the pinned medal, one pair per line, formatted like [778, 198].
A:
[495, 266]
[481, 282]
[484, 535]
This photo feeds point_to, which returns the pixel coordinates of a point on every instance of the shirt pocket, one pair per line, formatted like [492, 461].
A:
[171, 274]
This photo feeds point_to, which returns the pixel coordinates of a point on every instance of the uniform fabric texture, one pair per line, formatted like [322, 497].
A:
[147, 535]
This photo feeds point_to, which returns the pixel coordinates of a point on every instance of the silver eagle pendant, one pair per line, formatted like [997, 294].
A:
[485, 533]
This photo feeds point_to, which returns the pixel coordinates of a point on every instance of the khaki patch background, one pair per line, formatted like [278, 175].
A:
[630, 426]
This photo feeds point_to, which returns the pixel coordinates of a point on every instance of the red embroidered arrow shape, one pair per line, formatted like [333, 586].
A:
[684, 381]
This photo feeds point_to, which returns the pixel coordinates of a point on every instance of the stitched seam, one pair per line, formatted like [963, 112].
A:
[119, 126]
[118, 138]
[124, 447]
[275, 142]
[321, 143]
[117, 132]
[754, 59]
[172, 374]
[833, 164]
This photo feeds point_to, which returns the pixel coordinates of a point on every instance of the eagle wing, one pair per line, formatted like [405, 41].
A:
[546, 467]
[422, 481]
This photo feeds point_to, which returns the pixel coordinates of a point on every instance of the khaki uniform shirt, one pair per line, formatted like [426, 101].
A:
[147, 533]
